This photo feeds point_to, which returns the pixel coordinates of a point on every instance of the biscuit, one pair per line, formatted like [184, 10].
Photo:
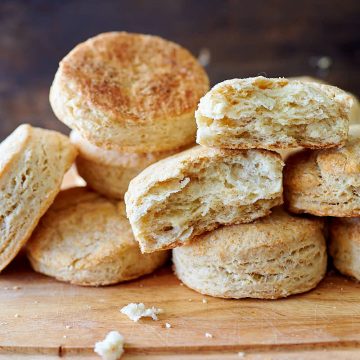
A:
[276, 256]
[273, 114]
[354, 116]
[345, 245]
[129, 92]
[109, 172]
[86, 239]
[325, 182]
[32, 165]
[199, 189]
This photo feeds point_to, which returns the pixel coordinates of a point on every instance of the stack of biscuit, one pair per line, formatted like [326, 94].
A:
[215, 199]
[130, 100]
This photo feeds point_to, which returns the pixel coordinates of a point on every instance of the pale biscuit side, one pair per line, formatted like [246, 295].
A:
[31, 171]
[275, 256]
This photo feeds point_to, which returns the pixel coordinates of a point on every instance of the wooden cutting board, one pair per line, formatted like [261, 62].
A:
[36, 311]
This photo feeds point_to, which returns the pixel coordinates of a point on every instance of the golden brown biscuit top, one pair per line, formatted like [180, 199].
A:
[134, 76]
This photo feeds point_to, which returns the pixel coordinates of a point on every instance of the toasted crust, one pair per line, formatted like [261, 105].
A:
[109, 172]
[275, 256]
[129, 92]
[86, 239]
[32, 164]
[345, 245]
[273, 114]
[325, 182]
[195, 191]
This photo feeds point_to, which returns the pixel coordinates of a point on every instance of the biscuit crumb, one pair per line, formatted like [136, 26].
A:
[68, 327]
[64, 336]
[167, 325]
[190, 300]
[3, 323]
[204, 301]
[181, 284]
[136, 311]
[241, 354]
[208, 335]
[112, 347]
[36, 302]
[17, 315]
[16, 287]
[6, 288]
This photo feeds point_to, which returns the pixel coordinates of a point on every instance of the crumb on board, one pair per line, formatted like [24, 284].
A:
[112, 347]
[241, 354]
[167, 325]
[208, 335]
[204, 301]
[17, 315]
[136, 311]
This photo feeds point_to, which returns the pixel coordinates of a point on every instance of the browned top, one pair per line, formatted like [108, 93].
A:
[134, 76]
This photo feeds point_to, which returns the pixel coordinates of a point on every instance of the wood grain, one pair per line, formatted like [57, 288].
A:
[326, 318]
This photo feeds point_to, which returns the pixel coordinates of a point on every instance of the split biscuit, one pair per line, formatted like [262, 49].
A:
[129, 92]
[345, 245]
[325, 182]
[273, 257]
[354, 116]
[273, 114]
[109, 172]
[199, 189]
[86, 239]
[32, 165]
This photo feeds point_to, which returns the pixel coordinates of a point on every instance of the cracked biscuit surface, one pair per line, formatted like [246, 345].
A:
[198, 190]
[273, 257]
[273, 113]
[129, 92]
[86, 239]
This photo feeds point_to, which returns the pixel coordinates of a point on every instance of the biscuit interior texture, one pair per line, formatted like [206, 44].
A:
[32, 165]
[275, 256]
[129, 92]
[345, 245]
[273, 114]
[354, 116]
[325, 182]
[86, 239]
[197, 190]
